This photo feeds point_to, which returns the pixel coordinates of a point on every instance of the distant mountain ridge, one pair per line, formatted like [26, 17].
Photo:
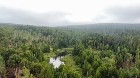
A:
[102, 26]
[94, 24]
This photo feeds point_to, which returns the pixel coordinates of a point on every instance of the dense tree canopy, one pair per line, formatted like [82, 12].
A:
[91, 51]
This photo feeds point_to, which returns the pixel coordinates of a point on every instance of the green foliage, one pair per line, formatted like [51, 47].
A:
[43, 70]
[26, 73]
[67, 72]
[77, 50]
[106, 71]
[92, 51]
[46, 49]
[2, 67]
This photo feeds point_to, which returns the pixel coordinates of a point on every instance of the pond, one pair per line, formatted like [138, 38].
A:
[56, 62]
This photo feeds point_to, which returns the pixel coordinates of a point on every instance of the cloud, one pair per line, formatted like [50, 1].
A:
[25, 17]
[118, 14]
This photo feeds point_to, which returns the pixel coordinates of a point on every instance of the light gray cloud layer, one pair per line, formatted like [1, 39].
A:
[119, 14]
[25, 17]
[109, 15]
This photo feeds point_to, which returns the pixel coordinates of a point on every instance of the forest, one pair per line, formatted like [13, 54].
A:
[106, 50]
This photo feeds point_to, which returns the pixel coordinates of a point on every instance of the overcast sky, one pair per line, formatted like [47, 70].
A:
[69, 12]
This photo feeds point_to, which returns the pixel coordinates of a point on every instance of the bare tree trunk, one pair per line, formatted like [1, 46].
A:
[17, 72]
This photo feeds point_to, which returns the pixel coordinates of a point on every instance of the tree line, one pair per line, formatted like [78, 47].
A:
[99, 51]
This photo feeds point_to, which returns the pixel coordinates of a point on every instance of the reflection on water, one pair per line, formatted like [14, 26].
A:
[56, 62]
